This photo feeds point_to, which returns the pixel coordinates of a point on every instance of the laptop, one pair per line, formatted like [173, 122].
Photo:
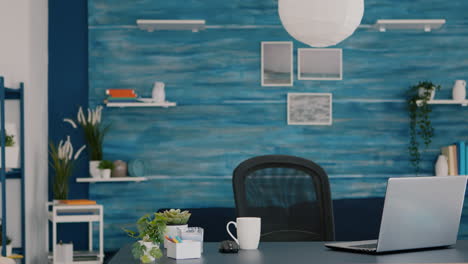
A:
[419, 213]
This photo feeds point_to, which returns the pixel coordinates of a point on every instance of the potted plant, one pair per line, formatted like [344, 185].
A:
[94, 132]
[150, 235]
[106, 168]
[63, 158]
[9, 248]
[175, 218]
[12, 158]
[420, 123]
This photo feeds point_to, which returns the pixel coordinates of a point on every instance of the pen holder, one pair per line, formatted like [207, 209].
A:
[188, 249]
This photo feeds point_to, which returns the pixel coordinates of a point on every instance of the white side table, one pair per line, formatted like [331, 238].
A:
[60, 213]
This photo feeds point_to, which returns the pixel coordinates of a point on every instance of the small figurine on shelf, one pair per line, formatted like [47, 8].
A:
[159, 94]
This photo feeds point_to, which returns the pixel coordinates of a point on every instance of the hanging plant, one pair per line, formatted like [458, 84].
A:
[421, 130]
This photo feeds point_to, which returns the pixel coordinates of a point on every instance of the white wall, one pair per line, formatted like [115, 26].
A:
[23, 58]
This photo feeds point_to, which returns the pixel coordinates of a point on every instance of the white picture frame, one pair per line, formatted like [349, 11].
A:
[310, 109]
[320, 64]
[277, 68]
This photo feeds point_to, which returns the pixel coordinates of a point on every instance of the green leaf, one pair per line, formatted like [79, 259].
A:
[146, 259]
[156, 253]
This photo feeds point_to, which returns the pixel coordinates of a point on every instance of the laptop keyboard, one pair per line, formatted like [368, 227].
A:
[366, 247]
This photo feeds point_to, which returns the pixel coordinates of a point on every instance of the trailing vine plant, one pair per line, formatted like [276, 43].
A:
[421, 130]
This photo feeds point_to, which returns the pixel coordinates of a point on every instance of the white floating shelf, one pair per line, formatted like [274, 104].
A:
[116, 179]
[445, 102]
[155, 24]
[142, 104]
[409, 24]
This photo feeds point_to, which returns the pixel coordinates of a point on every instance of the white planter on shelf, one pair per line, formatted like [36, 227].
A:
[9, 250]
[422, 91]
[12, 157]
[441, 166]
[149, 246]
[459, 90]
[93, 168]
[106, 173]
[171, 230]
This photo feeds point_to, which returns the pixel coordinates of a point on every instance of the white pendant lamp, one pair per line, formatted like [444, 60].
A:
[321, 23]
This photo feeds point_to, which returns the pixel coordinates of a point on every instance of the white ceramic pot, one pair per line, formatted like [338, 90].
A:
[422, 91]
[12, 158]
[171, 230]
[459, 90]
[106, 173]
[9, 250]
[441, 166]
[93, 168]
[149, 246]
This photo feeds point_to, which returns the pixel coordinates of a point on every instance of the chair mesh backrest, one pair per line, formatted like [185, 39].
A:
[290, 194]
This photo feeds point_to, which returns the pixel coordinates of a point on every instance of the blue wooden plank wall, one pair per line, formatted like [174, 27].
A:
[224, 116]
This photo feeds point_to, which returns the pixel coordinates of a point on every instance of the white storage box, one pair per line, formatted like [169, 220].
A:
[188, 249]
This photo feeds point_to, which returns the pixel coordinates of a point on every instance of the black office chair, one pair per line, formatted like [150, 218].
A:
[290, 194]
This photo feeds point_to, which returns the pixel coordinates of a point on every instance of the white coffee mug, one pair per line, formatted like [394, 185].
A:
[248, 232]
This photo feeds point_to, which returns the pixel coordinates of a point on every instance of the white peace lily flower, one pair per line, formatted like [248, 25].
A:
[60, 149]
[89, 115]
[71, 122]
[95, 116]
[81, 117]
[70, 148]
[77, 155]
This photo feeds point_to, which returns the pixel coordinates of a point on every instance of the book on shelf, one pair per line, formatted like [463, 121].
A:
[120, 100]
[466, 159]
[116, 93]
[78, 202]
[447, 152]
[461, 158]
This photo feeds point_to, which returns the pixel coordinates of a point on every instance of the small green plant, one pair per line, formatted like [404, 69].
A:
[176, 216]
[105, 164]
[420, 123]
[151, 228]
[9, 140]
[1, 237]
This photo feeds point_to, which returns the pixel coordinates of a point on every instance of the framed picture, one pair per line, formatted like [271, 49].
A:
[310, 109]
[320, 64]
[277, 63]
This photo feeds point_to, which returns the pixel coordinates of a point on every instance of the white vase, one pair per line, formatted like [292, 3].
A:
[441, 166]
[149, 246]
[159, 94]
[171, 230]
[93, 168]
[106, 173]
[12, 158]
[9, 250]
[459, 90]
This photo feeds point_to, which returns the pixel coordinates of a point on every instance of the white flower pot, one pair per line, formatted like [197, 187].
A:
[9, 250]
[422, 91]
[171, 230]
[106, 173]
[441, 166]
[93, 168]
[12, 158]
[149, 246]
